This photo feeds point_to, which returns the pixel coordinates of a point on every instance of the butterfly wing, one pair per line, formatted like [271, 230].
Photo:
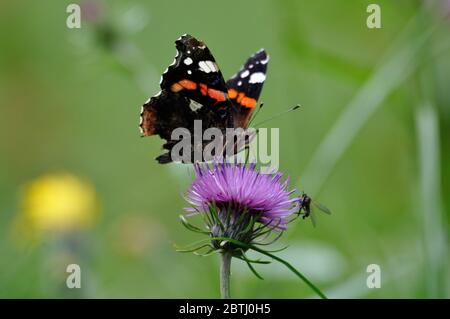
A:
[245, 87]
[195, 74]
[192, 88]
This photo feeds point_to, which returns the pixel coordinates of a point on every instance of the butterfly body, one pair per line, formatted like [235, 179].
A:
[193, 88]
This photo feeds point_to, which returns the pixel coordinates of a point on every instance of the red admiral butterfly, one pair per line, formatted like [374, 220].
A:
[193, 88]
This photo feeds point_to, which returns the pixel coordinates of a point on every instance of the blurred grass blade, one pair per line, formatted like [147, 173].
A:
[398, 66]
[430, 214]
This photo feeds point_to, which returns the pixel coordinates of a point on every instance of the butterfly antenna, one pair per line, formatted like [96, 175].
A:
[256, 113]
[278, 115]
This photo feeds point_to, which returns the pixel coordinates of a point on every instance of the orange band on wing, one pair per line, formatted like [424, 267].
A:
[232, 93]
[248, 102]
[203, 89]
[188, 84]
[217, 95]
[241, 98]
[183, 84]
[176, 87]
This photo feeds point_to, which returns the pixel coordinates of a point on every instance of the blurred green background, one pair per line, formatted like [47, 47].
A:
[371, 142]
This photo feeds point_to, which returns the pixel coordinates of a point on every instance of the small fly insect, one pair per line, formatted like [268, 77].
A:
[308, 211]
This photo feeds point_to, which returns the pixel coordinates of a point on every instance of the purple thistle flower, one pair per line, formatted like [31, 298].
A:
[239, 205]
[240, 196]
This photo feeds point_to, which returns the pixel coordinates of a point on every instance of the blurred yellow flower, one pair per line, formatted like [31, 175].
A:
[60, 203]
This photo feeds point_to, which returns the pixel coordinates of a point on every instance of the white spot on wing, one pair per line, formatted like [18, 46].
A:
[188, 61]
[265, 61]
[204, 67]
[245, 74]
[250, 66]
[194, 106]
[213, 66]
[239, 83]
[208, 66]
[189, 71]
[257, 77]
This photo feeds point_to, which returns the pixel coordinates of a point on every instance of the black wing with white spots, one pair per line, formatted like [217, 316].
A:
[245, 87]
[195, 74]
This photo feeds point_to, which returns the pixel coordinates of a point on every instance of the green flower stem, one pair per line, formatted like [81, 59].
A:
[225, 265]
[280, 260]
